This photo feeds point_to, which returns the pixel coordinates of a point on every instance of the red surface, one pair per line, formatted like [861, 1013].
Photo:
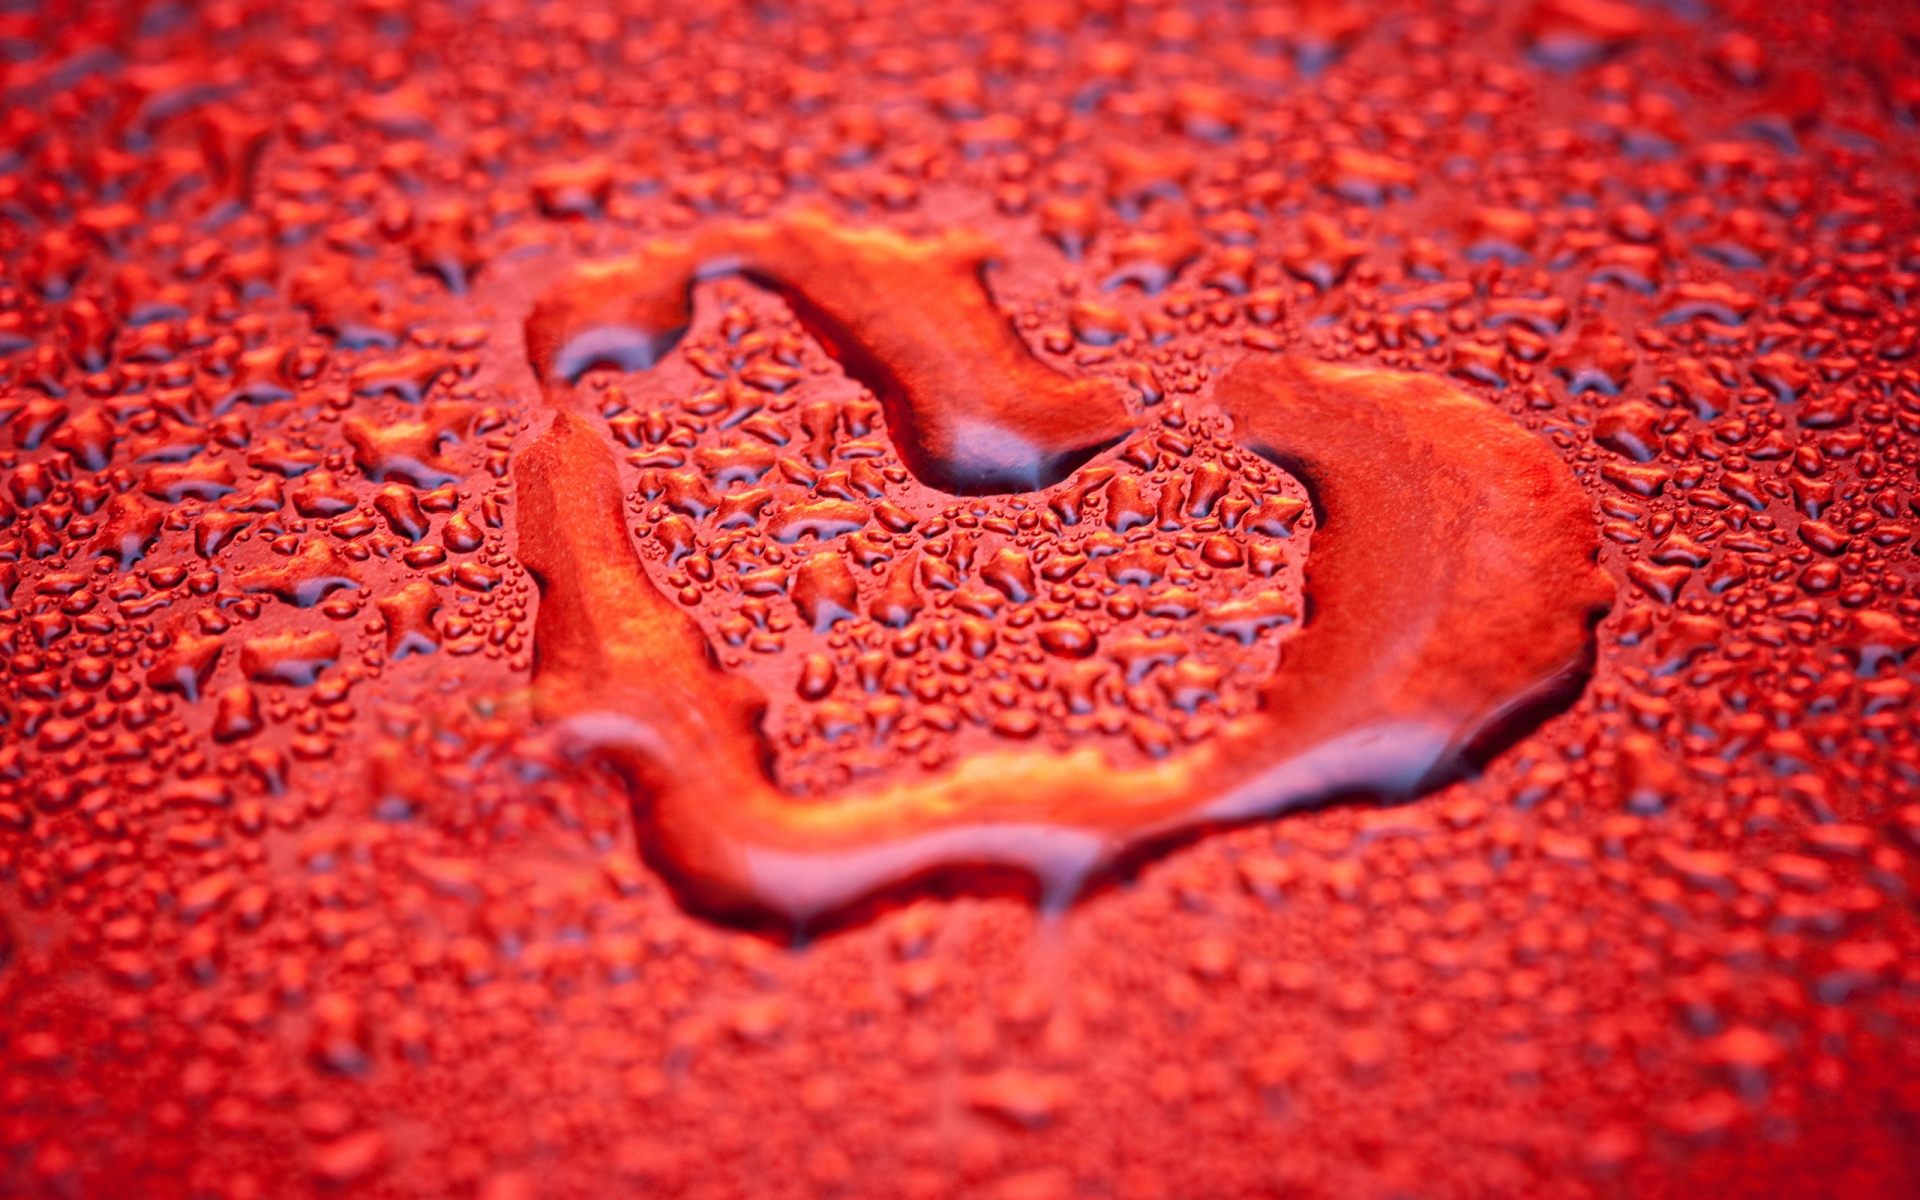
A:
[612, 600]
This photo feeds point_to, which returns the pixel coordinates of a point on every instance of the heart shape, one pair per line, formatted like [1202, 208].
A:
[1453, 582]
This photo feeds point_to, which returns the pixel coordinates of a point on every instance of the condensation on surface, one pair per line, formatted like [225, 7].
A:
[304, 891]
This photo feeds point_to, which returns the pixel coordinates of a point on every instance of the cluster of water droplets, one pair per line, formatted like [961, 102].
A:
[291, 887]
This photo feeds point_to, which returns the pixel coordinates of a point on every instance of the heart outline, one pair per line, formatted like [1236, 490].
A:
[1436, 514]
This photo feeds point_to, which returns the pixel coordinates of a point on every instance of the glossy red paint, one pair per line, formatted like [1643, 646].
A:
[1024, 601]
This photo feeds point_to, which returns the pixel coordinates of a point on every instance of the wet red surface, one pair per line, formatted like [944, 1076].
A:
[968, 600]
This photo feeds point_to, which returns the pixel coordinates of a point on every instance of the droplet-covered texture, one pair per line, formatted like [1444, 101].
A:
[1141, 394]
